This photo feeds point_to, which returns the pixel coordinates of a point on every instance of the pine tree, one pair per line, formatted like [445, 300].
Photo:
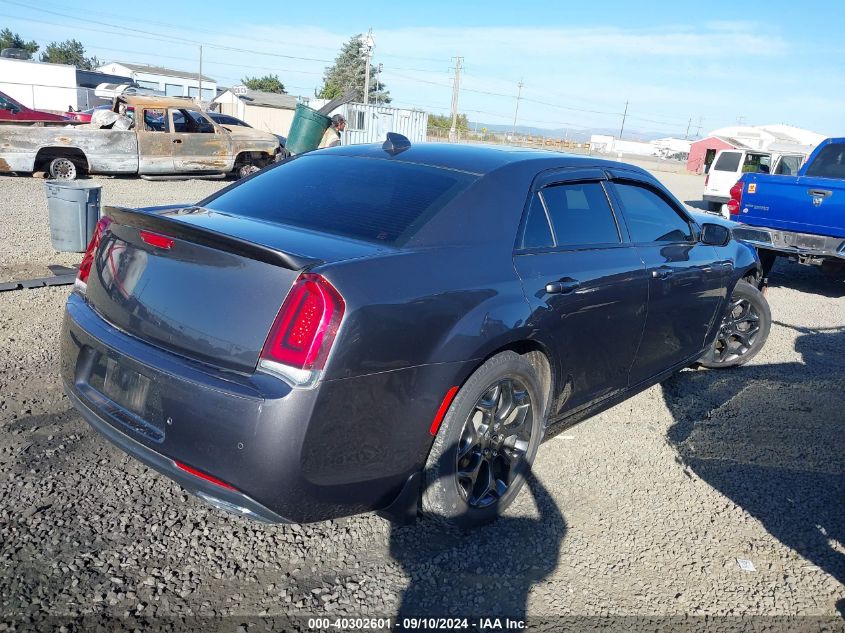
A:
[348, 72]
[13, 40]
[70, 52]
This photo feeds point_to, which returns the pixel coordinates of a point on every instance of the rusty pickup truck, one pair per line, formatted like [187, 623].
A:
[166, 136]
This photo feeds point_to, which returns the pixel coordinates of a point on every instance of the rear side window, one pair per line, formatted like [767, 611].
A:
[789, 165]
[650, 217]
[828, 163]
[536, 233]
[580, 214]
[727, 161]
[368, 199]
[756, 164]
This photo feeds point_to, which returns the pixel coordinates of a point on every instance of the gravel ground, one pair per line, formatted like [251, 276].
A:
[640, 511]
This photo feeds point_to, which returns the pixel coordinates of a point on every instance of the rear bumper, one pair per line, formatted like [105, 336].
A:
[801, 245]
[707, 197]
[343, 447]
[230, 500]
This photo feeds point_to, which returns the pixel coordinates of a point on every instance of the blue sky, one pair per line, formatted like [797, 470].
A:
[715, 63]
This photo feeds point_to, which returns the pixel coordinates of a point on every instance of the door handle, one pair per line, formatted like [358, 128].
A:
[177, 140]
[664, 272]
[563, 286]
[819, 193]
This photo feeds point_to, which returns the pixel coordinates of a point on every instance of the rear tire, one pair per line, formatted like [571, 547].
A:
[62, 168]
[743, 331]
[486, 444]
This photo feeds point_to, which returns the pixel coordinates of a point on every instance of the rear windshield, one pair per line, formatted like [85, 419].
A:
[368, 199]
[728, 161]
[829, 163]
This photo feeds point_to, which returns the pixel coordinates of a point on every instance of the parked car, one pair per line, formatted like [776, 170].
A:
[401, 340]
[800, 216]
[729, 165]
[172, 136]
[12, 111]
[228, 121]
[84, 116]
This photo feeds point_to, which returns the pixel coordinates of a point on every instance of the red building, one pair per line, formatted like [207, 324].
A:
[702, 152]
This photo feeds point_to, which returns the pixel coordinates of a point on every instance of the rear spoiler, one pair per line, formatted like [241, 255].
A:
[152, 220]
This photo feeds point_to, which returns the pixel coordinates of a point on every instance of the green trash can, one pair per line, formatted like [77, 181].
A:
[306, 129]
[74, 209]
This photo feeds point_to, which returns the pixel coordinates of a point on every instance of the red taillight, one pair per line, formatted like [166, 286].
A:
[706, 179]
[202, 475]
[304, 330]
[88, 258]
[736, 198]
[154, 239]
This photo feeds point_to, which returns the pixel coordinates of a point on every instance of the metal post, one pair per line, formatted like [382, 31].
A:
[516, 111]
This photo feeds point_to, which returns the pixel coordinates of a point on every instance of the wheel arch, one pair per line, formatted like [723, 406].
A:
[47, 154]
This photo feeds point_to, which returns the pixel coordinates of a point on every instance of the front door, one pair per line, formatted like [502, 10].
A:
[685, 277]
[198, 145]
[586, 285]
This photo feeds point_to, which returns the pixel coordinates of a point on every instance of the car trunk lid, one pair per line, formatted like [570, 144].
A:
[200, 283]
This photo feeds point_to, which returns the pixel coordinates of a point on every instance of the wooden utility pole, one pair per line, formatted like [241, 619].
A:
[199, 79]
[456, 89]
[516, 110]
[624, 116]
[368, 46]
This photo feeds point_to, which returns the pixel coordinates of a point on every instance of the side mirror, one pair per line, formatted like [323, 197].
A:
[14, 109]
[715, 234]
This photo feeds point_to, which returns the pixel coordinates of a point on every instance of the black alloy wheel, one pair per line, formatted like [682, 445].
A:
[494, 440]
[487, 442]
[743, 330]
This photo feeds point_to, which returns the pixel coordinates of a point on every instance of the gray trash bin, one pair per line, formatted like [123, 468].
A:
[74, 209]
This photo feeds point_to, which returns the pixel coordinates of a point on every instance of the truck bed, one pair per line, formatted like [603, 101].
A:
[107, 151]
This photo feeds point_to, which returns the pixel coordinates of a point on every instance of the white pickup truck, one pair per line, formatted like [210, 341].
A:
[167, 136]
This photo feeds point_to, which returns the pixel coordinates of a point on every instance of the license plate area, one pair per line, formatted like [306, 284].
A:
[128, 396]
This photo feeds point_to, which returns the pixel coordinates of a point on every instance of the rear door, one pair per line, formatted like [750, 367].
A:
[197, 145]
[586, 284]
[685, 277]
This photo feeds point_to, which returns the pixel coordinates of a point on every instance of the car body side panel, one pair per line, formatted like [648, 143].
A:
[397, 318]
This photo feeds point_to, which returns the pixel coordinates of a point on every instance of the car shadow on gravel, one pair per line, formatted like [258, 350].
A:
[770, 438]
[810, 279]
[485, 572]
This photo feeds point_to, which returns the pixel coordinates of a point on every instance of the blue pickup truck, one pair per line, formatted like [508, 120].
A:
[801, 217]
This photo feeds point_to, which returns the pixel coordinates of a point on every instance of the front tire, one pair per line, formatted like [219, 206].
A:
[743, 331]
[486, 444]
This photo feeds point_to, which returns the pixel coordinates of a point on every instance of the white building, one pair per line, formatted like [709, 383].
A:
[776, 137]
[39, 85]
[173, 83]
[268, 111]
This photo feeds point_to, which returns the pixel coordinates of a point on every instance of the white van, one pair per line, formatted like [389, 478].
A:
[729, 165]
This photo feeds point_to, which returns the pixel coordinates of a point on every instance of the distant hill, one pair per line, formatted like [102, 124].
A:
[572, 134]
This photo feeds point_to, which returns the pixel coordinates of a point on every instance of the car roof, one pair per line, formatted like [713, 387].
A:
[474, 159]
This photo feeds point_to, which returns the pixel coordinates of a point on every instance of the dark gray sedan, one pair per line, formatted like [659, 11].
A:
[394, 328]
